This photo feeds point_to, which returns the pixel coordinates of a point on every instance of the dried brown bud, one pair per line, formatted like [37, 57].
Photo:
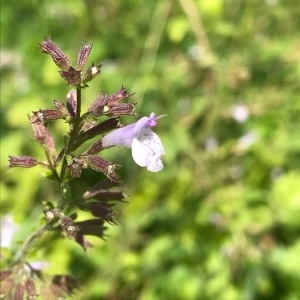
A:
[82, 241]
[95, 130]
[91, 73]
[105, 195]
[105, 104]
[67, 284]
[19, 292]
[6, 286]
[58, 56]
[88, 125]
[95, 148]
[48, 115]
[103, 211]
[22, 161]
[62, 108]
[120, 109]
[91, 227]
[39, 129]
[72, 76]
[76, 166]
[119, 96]
[69, 227]
[42, 134]
[30, 289]
[100, 164]
[83, 55]
[59, 105]
[5, 274]
[72, 103]
[100, 128]
[49, 141]
[97, 106]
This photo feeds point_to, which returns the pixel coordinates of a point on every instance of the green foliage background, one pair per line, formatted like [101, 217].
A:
[221, 221]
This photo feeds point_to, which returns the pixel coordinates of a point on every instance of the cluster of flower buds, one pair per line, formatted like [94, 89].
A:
[18, 283]
[18, 286]
[110, 106]
[73, 75]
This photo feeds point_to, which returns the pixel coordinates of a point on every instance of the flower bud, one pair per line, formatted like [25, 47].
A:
[83, 55]
[58, 56]
[100, 164]
[102, 211]
[97, 106]
[30, 289]
[91, 73]
[5, 286]
[88, 125]
[104, 195]
[5, 274]
[120, 109]
[76, 167]
[72, 103]
[42, 134]
[91, 227]
[19, 292]
[118, 96]
[22, 161]
[100, 128]
[48, 115]
[62, 108]
[69, 227]
[95, 148]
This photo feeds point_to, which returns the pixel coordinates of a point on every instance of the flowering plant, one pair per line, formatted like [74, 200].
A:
[67, 164]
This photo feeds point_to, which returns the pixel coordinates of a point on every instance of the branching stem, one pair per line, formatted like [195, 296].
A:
[61, 180]
[22, 252]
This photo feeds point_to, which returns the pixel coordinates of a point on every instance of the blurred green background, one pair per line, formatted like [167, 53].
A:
[222, 220]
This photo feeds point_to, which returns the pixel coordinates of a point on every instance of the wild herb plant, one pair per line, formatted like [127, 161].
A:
[66, 164]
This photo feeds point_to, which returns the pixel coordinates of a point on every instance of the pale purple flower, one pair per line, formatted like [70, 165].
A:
[240, 113]
[36, 265]
[8, 228]
[146, 146]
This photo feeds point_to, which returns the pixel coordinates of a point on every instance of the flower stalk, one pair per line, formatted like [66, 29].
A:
[103, 115]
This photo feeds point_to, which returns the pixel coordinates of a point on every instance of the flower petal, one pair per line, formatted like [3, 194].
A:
[155, 165]
[139, 153]
[153, 146]
[121, 136]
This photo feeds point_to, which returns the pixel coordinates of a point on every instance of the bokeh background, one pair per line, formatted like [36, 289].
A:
[222, 220]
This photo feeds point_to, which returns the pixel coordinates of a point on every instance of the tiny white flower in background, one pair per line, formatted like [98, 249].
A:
[146, 145]
[8, 228]
[195, 52]
[240, 113]
[211, 143]
[247, 140]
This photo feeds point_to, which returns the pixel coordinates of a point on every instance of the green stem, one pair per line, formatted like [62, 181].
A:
[78, 108]
[51, 165]
[23, 250]
[73, 136]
